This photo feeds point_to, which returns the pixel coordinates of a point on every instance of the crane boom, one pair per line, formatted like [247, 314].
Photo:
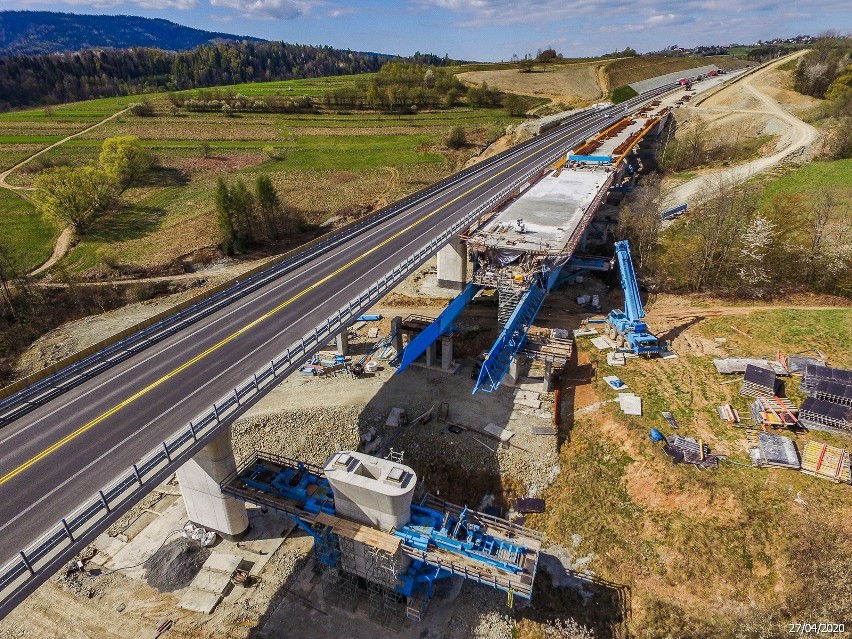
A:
[632, 301]
[626, 327]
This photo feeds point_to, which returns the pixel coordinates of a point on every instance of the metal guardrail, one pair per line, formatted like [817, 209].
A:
[45, 555]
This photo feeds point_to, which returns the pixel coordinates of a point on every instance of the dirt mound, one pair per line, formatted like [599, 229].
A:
[175, 565]
[569, 83]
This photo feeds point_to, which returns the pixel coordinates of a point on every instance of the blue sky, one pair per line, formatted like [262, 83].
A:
[486, 29]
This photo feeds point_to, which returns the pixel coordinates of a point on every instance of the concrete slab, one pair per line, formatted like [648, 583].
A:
[393, 419]
[616, 359]
[222, 562]
[532, 403]
[212, 581]
[630, 404]
[199, 601]
[615, 383]
[602, 343]
[551, 210]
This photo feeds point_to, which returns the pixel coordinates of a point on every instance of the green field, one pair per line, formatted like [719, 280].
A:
[29, 237]
[324, 164]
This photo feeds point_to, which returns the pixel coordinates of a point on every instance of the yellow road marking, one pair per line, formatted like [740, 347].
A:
[59, 444]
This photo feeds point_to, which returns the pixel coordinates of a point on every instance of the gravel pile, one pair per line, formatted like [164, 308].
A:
[310, 434]
[480, 613]
[175, 565]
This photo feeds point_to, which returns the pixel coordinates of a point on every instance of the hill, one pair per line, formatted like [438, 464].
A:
[38, 32]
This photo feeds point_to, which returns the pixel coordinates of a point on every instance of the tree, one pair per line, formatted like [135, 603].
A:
[204, 147]
[640, 221]
[756, 241]
[269, 205]
[227, 233]
[548, 55]
[73, 195]
[456, 138]
[124, 159]
[515, 105]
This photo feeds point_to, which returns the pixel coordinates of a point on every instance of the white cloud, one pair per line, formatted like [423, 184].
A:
[267, 9]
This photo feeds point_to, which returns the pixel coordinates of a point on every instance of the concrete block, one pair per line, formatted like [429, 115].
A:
[630, 404]
[532, 403]
[500, 433]
[199, 601]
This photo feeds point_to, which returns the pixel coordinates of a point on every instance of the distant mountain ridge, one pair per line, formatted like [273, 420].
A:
[39, 32]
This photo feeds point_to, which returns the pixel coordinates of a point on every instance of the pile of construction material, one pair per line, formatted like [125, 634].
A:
[687, 450]
[828, 462]
[760, 382]
[777, 412]
[733, 365]
[829, 406]
[776, 451]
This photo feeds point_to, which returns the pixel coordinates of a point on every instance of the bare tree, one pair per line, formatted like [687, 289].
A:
[721, 220]
[640, 220]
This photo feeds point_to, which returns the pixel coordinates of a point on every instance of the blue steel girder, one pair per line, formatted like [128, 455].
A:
[441, 325]
[512, 337]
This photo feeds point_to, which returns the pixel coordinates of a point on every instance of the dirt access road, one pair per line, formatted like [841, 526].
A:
[798, 137]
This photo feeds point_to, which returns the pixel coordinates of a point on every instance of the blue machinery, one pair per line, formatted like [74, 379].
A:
[439, 541]
[626, 327]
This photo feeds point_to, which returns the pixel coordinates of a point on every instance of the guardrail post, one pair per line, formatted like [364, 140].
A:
[192, 431]
[216, 413]
[237, 397]
[104, 500]
[138, 476]
[272, 366]
[27, 562]
[166, 448]
[256, 385]
[68, 530]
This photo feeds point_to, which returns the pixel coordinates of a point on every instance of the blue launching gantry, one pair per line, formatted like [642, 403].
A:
[439, 540]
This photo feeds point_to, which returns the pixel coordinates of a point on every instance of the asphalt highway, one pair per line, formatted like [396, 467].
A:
[58, 455]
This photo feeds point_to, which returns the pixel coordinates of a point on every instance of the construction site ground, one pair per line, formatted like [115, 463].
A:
[761, 103]
[619, 515]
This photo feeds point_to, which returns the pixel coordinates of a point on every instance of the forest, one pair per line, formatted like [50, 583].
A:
[27, 81]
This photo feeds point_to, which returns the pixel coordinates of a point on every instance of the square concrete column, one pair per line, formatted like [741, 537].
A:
[199, 484]
[430, 355]
[396, 332]
[342, 342]
[548, 369]
[512, 375]
[452, 265]
[446, 352]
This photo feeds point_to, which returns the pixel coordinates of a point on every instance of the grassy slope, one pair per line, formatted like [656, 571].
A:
[29, 236]
[628, 70]
[676, 537]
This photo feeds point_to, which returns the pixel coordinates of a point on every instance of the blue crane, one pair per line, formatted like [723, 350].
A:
[626, 327]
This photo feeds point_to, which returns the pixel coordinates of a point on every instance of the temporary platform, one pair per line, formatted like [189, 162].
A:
[777, 412]
[815, 373]
[359, 510]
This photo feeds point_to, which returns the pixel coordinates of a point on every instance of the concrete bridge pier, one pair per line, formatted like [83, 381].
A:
[199, 484]
[342, 342]
[452, 265]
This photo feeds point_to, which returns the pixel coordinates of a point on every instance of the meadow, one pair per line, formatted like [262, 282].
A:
[325, 164]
